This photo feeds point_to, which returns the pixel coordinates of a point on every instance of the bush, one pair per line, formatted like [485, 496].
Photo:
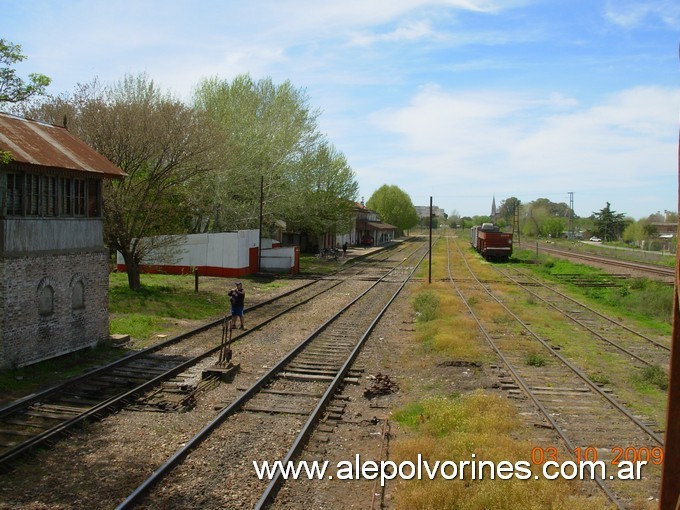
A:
[654, 376]
[535, 360]
[426, 306]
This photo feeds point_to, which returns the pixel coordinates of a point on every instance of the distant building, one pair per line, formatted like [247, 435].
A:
[53, 262]
[423, 211]
[369, 230]
[494, 211]
[666, 229]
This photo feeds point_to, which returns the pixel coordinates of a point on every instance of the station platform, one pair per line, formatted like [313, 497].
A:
[354, 252]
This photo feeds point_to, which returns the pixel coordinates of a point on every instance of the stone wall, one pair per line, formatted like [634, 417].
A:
[51, 303]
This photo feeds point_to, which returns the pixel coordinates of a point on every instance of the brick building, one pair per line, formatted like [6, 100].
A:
[53, 262]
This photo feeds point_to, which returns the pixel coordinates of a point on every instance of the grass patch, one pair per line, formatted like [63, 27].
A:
[652, 376]
[641, 299]
[600, 378]
[534, 359]
[455, 429]
[311, 264]
[444, 328]
[426, 305]
[161, 299]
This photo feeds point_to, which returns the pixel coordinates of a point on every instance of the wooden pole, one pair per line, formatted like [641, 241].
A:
[259, 247]
[670, 478]
[429, 275]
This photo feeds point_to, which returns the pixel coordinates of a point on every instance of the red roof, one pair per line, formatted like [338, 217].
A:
[38, 143]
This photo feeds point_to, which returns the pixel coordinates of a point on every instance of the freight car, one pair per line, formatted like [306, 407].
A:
[490, 242]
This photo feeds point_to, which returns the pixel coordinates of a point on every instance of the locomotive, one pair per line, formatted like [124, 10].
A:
[490, 242]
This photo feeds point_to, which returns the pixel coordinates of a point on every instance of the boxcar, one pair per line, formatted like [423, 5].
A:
[490, 242]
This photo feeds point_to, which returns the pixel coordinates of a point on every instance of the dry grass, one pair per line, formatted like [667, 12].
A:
[449, 428]
[452, 332]
[481, 424]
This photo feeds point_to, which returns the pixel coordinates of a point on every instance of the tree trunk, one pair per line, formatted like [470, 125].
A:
[132, 266]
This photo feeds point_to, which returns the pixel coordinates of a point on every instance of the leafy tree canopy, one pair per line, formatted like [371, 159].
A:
[274, 161]
[394, 207]
[13, 89]
[156, 139]
[609, 225]
[507, 208]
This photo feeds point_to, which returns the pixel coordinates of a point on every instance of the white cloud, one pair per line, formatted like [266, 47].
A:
[629, 14]
[409, 32]
[513, 143]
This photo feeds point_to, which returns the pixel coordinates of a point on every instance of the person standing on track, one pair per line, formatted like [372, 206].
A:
[237, 297]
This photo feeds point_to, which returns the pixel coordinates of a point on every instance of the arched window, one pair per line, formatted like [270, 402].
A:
[78, 295]
[77, 292]
[45, 297]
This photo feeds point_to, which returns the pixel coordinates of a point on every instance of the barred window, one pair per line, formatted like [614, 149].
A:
[79, 197]
[93, 193]
[32, 194]
[45, 195]
[66, 196]
[48, 196]
[15, 194]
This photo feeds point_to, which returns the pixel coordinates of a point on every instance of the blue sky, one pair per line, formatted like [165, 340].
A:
[459, 100]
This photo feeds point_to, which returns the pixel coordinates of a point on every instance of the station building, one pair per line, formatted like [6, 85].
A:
[53, 262]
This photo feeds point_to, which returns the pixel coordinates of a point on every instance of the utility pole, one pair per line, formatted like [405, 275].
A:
[429, 275]
[571, 215]
[670, 476]
[515, 225]
[259, 248]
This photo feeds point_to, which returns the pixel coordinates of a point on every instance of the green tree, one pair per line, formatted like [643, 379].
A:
[157, 140]
[609, 225]
[12, 88]
[634, 232]
[543, 217]
[507, 208]
[453, 219]
[394, 207]
[553, 227]
[324, 192]
[267, 132]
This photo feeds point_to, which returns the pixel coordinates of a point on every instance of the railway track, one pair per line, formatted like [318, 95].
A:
[279, 410]
[665, 273]
[621, 339]
[592, 424]
[163, 376]
[103, 449]
[46, 416]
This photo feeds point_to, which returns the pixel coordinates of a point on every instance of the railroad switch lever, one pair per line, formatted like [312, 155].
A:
[224, 368]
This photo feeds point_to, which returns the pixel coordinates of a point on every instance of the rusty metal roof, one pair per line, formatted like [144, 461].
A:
[38, 143]
[379, 225]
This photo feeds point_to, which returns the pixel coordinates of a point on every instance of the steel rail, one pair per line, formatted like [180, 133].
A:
[276, 481]
[122, 399]
[641, 266]
[571, 366]
[581, 323]
[617, 323]
[234, 406]
[520, 380]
